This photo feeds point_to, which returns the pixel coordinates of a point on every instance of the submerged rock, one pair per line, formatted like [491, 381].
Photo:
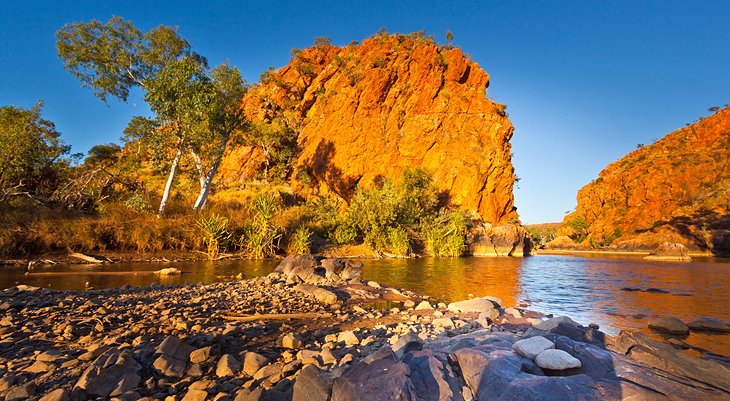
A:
[669, 325]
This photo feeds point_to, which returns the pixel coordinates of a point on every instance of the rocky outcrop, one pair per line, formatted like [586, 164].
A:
[500, 240]
[368, 111]
[676, 190]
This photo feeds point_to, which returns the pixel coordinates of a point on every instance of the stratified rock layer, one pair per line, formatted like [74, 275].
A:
[676, 190]
[369, 111]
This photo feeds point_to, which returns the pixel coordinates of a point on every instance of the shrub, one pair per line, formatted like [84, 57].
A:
[138, 203]
[444, 234]
[343, 233]
[261, 238]
[215, 234]
[300, 241]
[399, 242]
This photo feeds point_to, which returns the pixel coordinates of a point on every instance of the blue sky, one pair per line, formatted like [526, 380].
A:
[584, 81]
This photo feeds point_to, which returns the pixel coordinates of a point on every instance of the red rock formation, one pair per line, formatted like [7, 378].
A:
[675, 190]
[363, 112]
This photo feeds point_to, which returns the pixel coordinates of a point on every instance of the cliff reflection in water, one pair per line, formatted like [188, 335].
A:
[608, 290]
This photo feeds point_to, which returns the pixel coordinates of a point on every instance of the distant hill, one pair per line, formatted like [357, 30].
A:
[675, 190]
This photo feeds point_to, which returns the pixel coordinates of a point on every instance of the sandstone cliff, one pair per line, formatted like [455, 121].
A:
[675, 190]
[368, 111]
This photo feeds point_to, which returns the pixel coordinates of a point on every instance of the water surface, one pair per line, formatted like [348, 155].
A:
[588, 289]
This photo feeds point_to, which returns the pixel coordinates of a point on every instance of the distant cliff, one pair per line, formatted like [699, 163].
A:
[367, 111]
[675, 190]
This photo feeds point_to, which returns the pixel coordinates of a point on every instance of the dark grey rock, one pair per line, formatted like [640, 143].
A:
[381, 380]
[432, 377]
[309, 386]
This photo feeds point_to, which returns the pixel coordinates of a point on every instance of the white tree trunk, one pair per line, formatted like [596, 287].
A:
[170, 178]
[206, 183]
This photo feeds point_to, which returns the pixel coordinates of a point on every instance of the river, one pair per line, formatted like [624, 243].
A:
[589, 289]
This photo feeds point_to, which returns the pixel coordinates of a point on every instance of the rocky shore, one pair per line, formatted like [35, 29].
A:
[313, 330]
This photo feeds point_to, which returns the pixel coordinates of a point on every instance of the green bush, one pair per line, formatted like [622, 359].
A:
[343, 233]
[215, 234]
[445, 234]
[399, 243]
[300, 241]
[261, 238]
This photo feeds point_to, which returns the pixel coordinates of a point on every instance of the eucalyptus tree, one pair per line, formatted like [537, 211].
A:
[196, 108]
[224, 116]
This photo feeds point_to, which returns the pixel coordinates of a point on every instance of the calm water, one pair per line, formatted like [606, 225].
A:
[588, 289]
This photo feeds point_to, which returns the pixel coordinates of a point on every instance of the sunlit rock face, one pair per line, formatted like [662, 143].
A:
[676, 190]
[368, 111]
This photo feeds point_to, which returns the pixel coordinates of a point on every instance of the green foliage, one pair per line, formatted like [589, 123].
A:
[216, 235]
[322, 41]
[103, 155]
[138, 202]
[300, 241]
[542, 234]
[265, 206]
[375, 211]
[399, 243]
[278, 143]
[32, 154]
[114, 57]
[344, 233]
[577, 223]
[445, 234]
[261, 238]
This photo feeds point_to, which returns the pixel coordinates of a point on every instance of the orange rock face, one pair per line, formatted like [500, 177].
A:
[675, 190]
[368, 111]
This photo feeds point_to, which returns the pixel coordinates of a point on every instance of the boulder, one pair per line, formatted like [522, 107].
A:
[432, 376]
[228, 365]
[710, 378]
[477, 305]
[669, 325]
[174, 347]
[406, 343]
[472, 364]
[556, 359]
[322, 295]
[58, 394]
[552, 323]
[709, 324]
[531, 347]
[424, 305]
[380, 380]
[113, 372]
[20, 392]
[291, 341]
[309, 386]
[253, 362]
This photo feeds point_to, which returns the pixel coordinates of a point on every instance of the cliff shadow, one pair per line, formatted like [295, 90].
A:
[706, 229]
[321, 168]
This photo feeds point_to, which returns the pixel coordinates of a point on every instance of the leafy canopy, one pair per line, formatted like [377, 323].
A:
[31, 151]
[114, 57]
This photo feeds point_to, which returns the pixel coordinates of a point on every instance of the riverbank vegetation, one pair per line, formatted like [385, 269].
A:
[160, 190]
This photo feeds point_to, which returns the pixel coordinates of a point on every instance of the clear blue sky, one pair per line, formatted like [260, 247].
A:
[584, 81]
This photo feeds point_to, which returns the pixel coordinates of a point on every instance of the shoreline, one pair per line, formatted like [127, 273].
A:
[232, 341]
[176, 256]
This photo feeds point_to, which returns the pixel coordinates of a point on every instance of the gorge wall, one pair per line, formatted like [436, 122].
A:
[675, 190]
[368, 111]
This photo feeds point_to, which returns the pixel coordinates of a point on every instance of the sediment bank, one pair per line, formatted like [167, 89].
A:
[313, 330]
